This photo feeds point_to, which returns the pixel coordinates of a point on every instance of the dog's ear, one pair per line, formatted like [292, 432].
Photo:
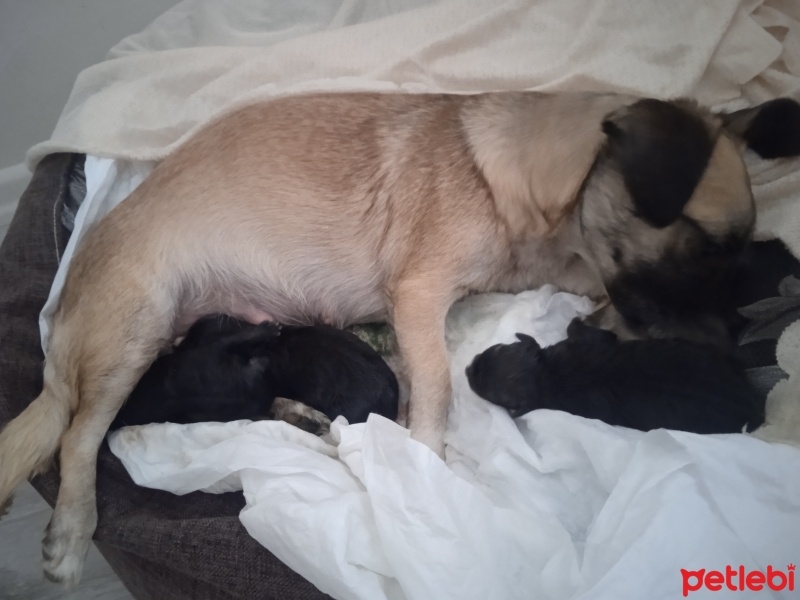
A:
[662, 150]
[771, 129]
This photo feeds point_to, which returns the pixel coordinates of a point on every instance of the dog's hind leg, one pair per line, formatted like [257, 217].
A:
[109, 361]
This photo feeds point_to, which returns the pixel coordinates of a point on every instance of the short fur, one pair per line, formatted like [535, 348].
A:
[226, 369]
[641, 384]
[346, 208]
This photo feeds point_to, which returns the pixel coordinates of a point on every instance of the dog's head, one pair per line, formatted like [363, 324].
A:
[523, 376]
[221, 354]
[504, 374]
[667, 211]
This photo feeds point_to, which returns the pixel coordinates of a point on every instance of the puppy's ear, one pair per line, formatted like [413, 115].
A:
[577, 327]
[662, 150]
[581, 331]
[528, 342]
[772, 129]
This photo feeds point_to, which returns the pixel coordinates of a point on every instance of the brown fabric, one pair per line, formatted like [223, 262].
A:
[162, 546]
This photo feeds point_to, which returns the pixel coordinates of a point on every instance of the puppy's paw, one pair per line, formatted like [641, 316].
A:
[64, 549]
[5, 506]
[301, 416]
[316, 423]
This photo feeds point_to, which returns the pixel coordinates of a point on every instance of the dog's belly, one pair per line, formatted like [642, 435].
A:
[331, 295]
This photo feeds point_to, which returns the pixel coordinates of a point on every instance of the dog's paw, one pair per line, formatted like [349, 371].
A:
[63, 553]
[300, 415]
[432, 438]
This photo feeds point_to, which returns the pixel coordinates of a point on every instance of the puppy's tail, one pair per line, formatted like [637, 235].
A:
[29, 442]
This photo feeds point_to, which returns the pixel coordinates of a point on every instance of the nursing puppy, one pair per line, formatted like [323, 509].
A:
[226, 369]
[347, 208]
[641, 384]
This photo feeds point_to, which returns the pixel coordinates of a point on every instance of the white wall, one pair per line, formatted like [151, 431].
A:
[44, 44]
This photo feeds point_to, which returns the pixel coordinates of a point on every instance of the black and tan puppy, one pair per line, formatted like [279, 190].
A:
[226, 369]
[641, 384]
[354, 208]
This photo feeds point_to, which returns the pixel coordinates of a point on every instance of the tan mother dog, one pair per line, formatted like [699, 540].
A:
[348, 208]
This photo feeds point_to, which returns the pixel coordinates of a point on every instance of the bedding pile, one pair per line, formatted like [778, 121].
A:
[551, 505]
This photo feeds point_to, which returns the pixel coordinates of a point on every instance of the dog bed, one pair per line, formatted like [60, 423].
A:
[624, 499]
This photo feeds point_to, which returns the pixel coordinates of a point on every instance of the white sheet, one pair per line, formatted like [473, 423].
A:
[550, 507]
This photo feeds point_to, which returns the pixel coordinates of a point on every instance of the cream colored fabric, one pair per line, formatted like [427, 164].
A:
[205, 57]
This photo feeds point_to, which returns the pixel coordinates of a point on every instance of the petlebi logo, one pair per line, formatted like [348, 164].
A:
[739, 579]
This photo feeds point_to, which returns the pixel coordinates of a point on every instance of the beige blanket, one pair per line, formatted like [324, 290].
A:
[205, 57]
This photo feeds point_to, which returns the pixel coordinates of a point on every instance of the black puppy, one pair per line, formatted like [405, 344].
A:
[226, 369]
[641, 384]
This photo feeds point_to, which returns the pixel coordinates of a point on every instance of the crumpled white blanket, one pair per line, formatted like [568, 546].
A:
[551, 506]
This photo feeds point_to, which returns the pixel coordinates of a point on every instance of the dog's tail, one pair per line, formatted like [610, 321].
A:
[29, 442]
